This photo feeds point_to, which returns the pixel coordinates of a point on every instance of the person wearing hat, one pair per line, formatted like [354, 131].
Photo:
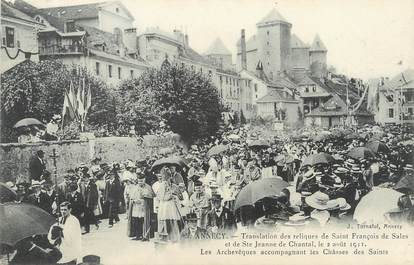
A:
[37, 165]
[403, 214]
[191, 230]
[112, 197]
[38, 197]
[321, 203]
[91, 197]
[50, 197]
[307, 182]
[169, 218]
[200, 203]
[219, 218]
[77, 201]
[139, 211]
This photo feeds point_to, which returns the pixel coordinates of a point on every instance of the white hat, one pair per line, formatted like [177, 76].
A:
[320, 201]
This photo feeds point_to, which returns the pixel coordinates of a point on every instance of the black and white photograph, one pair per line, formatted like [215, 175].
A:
[182, 132]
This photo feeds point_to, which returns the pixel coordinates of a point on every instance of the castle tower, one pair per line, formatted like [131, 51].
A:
[299, 58]
[317, 57]
[219, 54]
[273, 45]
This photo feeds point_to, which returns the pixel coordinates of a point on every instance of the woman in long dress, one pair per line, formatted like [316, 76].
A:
[169, 219]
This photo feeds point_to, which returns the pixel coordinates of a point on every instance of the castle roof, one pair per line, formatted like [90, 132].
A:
[317, 45]
[275, 95]
[295, 42]
[10, 10]
[81, 11]
[272, 16]
[217, 47]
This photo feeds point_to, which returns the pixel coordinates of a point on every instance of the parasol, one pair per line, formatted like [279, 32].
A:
[7, 194]
[373, 206]
[257, 190]
[21, 220]
[361, 153]
[218, 149]
[169, 161]
[377, 147]
[319, 158]
[27, 122]
[259, 144]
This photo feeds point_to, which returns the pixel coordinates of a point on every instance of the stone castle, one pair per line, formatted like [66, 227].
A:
[280, 51]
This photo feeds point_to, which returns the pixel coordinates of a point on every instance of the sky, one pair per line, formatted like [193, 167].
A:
[365, 38]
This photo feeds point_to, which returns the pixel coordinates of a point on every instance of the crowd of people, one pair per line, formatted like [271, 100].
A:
[193, 194]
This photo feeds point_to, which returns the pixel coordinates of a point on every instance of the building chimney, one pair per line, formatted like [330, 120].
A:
[186, 40]
[243, 50]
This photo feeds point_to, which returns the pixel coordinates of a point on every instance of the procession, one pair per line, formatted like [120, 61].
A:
[122, 144]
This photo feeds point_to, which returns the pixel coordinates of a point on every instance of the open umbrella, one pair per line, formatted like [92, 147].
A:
[169, 161]
[218, 149]
[407, 142]
[319, 158]
[259, 144]
[21, 220]
[7, 194]
[234, 137]
[377, 147]
[374, 205]
[353, 136]
[406, 183]
[321, 137]
[27, 122]
[257, 190]
[361, 153]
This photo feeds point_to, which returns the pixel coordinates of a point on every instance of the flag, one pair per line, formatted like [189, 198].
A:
[80, 106]
[68, 112]
[72, 98]
[88, 100]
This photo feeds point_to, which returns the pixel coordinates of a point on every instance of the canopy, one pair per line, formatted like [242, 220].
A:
[218, 149]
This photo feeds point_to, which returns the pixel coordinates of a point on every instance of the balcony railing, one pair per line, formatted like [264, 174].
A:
[61, 49]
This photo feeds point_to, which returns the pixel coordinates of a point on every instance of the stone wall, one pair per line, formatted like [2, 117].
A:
[14, 158]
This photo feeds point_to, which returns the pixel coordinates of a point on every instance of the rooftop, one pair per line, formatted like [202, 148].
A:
[10, 10]
[317, 45]
[218, 47]
[295, 42]
[276, 96]
[271, 17]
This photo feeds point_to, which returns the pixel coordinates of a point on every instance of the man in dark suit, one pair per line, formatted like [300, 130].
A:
[220, 219]
[113, 197]
[38, 197]
[91, 197]
[37, 166]
[63, 188]
[77, 202]
[191, 231]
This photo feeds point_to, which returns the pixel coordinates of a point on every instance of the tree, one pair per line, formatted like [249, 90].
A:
[37, 90]
[186, 101]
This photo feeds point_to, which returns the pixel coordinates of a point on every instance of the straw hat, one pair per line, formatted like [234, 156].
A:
[298, 219]
[320, 201]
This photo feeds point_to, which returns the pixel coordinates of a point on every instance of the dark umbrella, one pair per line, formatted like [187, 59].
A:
[218, 149]
[257, 190]
[27, 122]
[21, 220]
[353, 136]
[319, 158]
[406, 183]
[360, 153]
[7, 194]
[377, 147]
[259, 144]
[169, 161]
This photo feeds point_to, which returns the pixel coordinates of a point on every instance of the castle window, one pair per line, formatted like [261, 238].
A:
[132, 73]
[97, 68]
[314, 88]
[9, 37]
[119, 72]
[117, 10]
[267, 33]
[110, 71]
[268, 43]
[391, 113]
[255, 88]
[306, 89]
